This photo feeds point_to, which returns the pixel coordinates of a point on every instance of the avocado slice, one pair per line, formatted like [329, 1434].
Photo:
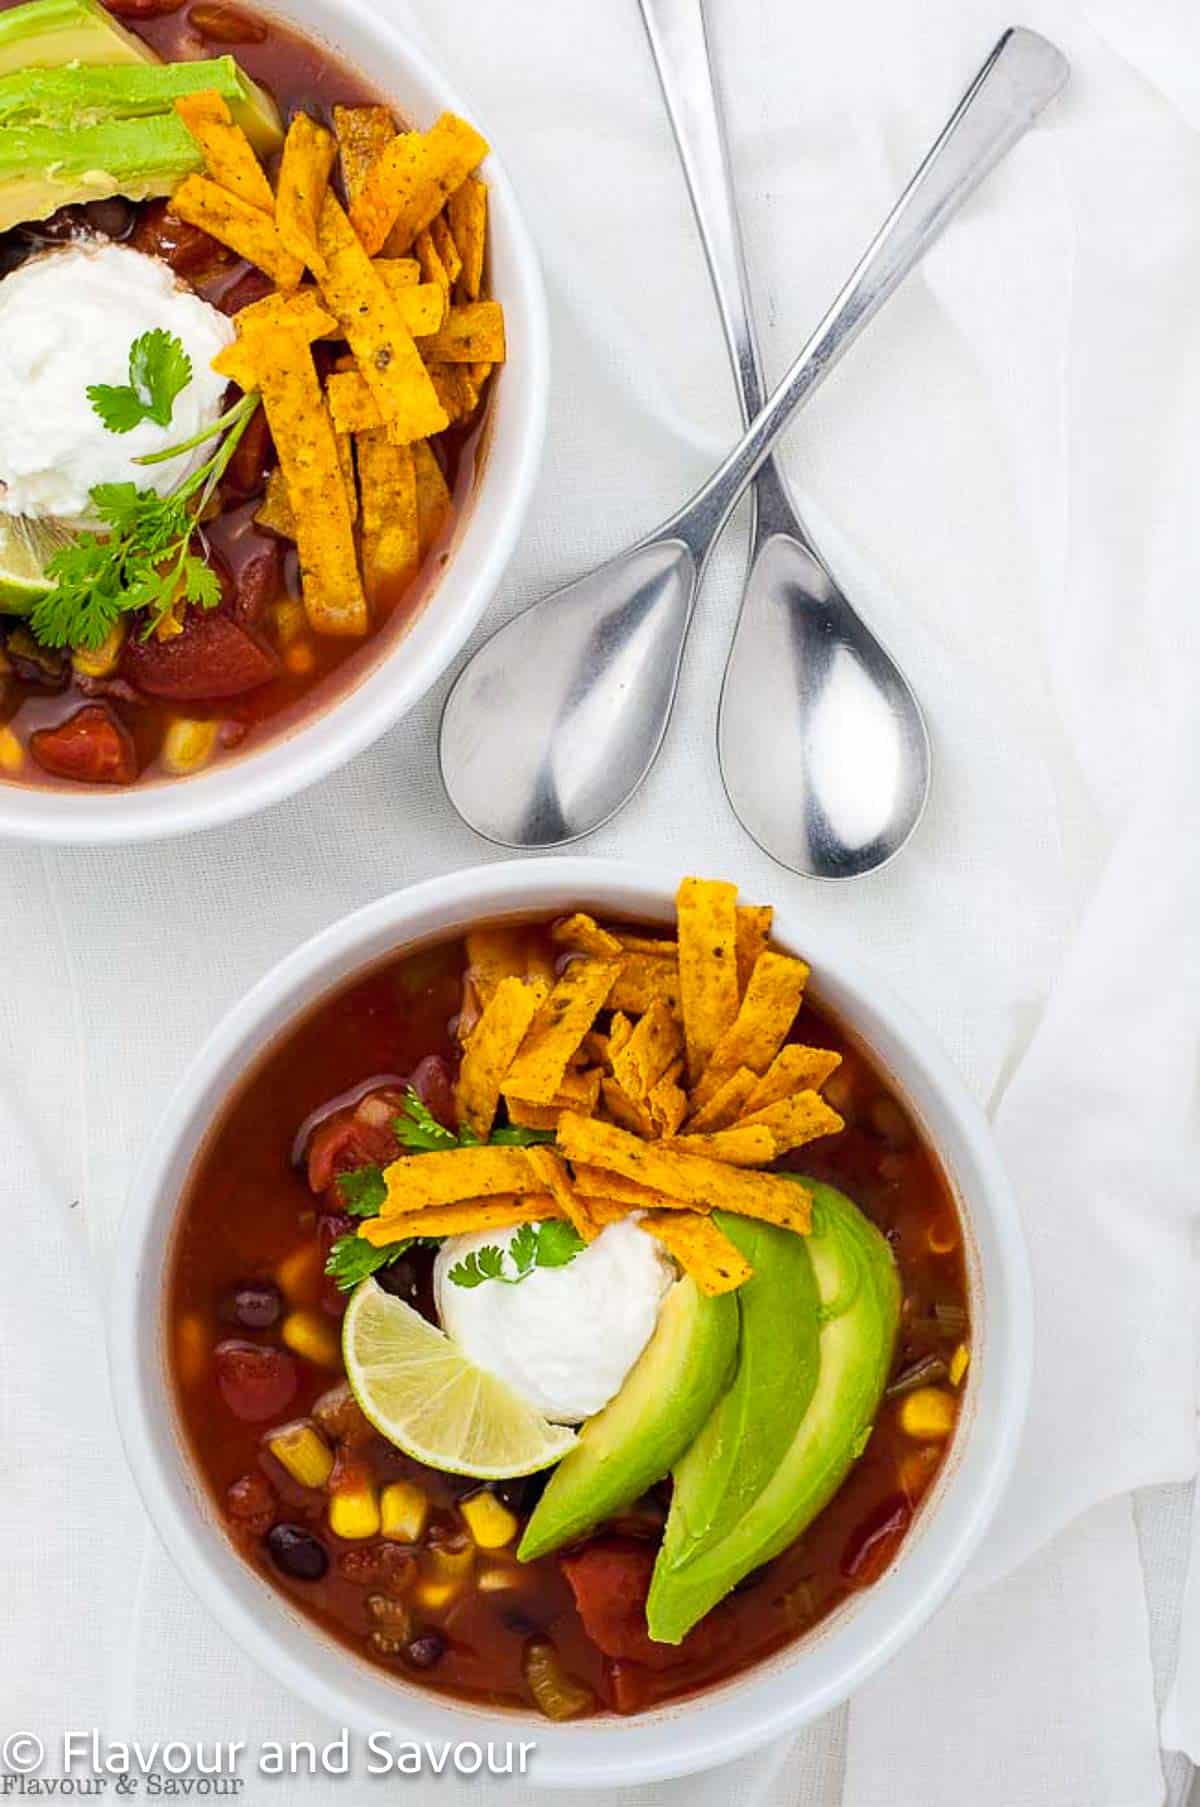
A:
[42, 169]
[642, 1432]
[46, 34]
[80, 96]
[859, 1312]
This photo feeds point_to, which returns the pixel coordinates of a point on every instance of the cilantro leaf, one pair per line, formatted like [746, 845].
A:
[363, 1191]
[517, 1135]
[159, 368]
[548, 1244]
[558, 1242]
[418, 1129]
[352, 1260]
[523, 1250]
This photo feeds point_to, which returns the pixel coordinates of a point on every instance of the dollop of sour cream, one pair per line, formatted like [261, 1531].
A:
[565, 1338]
[67, 320]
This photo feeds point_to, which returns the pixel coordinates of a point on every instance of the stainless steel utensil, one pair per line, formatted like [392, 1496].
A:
[556, 720]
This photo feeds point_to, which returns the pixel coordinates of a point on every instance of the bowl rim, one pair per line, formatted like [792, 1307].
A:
[774, 1697]
[483, 542]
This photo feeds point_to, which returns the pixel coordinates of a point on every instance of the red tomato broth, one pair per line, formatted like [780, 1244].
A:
[247, 1207]
[301, 74]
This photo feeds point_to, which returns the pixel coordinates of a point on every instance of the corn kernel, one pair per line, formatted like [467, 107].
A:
[928, 1414]
[299, 1274]
[308, 1334]
[500, 1578]
[960, 1361]
[435, 1596]
[354, 1511]
[403, 1511]
[300, 658]
[188, 744]
[291, 620]
[192, 1345]
[489, 1521]
[100, 661]
[942, 1235]
[12, 753]
[304, 1452]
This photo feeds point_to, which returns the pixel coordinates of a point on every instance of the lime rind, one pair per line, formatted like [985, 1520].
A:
[26, 547]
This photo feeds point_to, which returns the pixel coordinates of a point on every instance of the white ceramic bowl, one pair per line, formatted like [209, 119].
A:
[783, 1692]
[484, 537]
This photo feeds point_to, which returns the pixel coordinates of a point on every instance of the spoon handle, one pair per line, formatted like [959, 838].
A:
[679, 41]
[1021, 76]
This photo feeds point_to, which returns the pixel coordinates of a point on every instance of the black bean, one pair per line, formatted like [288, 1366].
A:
[111, 218]
[255, 1305]
[426, 1651]
[297, 1553]
[399, 1279]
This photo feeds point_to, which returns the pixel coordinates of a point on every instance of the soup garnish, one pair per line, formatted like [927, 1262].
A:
[571, 1314]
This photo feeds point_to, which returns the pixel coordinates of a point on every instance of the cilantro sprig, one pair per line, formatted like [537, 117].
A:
[550, 1244]
[142, 559]
[159, 370]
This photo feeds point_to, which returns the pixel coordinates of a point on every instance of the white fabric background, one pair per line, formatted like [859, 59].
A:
[1004, 471]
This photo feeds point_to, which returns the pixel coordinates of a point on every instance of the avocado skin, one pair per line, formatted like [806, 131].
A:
[641, 1433]
[860, 1309]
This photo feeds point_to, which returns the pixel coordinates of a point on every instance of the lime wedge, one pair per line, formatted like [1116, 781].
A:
[25, 548]
[422, 1394]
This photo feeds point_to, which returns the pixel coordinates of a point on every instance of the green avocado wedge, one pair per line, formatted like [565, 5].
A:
[47, 34]
[859, 1309]
[91, 94]
[642, 1432]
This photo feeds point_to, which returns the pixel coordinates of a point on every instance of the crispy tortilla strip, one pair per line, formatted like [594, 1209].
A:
[370, 318]
[701, 1249]
[467, 212]
[690, 1179]
[460, 1219]
[583, 935]
[345, 448]
[794, 1069]
[417, 1181]
[551, 1170]
[746, 1145]
[308, 154]
[351, 404]
[604, 1211]
[659, 946]
[454, 389]
[362, 133]
[558, 1028]
[726, 1104]
[619, 1031]
[275, 510]
[767, 1013]
[473, 331]
[234, 222]
[495, 953]
[238, 362]
[492, 1043]
[580, 1091]
[708, 987]
[597, 1183]
[626, 1110]
[667, 1101]
[643, 978]
[753, 933]
[655, 1045]
[433, 495]
[401, 273]
[412, 178]
[388, 492]
[302, 312]
[429, 257]
[479, 374]
[447, 250]
[228, 154]
[793, 1121]
[422, 308]
[308, 456]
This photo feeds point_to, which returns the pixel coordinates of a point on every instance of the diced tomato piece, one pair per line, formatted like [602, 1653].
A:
[190, 251]
[342, 1143]
[430, 1080]
[256, 1381]
[91, 746]
[610, 1579]
[873, 1544]
[251, 1501]
[212, 657]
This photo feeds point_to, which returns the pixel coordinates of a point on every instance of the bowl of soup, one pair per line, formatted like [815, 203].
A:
[566, 1304]
[274, 379]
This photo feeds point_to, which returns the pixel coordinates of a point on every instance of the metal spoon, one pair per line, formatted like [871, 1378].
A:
[558, 717]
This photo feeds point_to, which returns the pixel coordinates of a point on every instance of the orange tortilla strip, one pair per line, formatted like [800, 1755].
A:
[690, 1179]
[459, 1219]
[746, 1145]
[429, 257]
[666, 1102]
[764, 1018]
[234, 222]
[345, 448]
[627, 1111]
[794, 1069]
[583, 934]
[351, 404]
[708, 987]
[604, 1211]
[654, 1045]
[443, 243]
[301, 312]
[793, 1121]
[275, 510]
[454, 389]
[598, 1183]
[228, 154]
[753, 933]
[501, 950]
[467, 213]
[702, 1250]
[660, 946]
[470, 332]
[726, 1104]
[580, 1091]
[308, 154]
[370, 316]
[433, 495]
[551, 1170]
[362, 133]
[388, 494]
[491, 1046]
[643, 978]
[620, 1029]
[411, 180]
[401, 273]
[446, 1177]
[557, 1030]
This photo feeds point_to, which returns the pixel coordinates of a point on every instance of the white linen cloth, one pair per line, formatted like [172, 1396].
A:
[1003, 472]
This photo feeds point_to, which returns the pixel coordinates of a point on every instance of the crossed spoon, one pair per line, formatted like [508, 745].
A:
[555, 721]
